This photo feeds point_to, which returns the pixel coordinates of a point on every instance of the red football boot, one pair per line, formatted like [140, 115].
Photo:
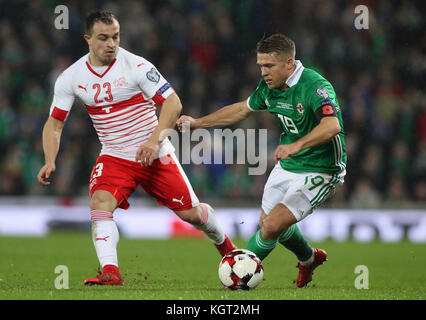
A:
[110, 276]
[306, 272]
[226, 246]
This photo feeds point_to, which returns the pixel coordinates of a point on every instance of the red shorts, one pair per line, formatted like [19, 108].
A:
[167, 183]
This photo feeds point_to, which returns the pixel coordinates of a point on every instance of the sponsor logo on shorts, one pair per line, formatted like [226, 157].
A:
[92, 183]
[178, 200]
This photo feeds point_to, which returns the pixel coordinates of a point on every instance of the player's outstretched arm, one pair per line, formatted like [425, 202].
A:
[221, 118]
[52, 132]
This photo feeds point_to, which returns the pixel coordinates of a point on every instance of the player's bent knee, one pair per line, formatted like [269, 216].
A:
[270, 230]
[103, 200]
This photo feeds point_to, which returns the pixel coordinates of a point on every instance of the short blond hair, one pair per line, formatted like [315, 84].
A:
[278, 43]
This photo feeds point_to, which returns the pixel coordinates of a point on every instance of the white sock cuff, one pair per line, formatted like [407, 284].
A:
[99, 215]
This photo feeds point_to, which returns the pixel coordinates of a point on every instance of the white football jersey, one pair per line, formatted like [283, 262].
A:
[120, 98]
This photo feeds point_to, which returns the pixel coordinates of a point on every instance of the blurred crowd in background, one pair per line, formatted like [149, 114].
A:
[206, 50]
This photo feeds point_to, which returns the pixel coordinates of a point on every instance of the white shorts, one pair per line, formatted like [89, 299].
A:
[301, 193]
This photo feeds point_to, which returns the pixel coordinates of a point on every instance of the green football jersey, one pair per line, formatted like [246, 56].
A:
[295, 110]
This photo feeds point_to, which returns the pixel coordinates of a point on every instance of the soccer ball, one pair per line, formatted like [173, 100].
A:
[240, 269]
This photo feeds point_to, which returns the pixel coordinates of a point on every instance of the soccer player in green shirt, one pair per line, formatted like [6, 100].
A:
[310, 159]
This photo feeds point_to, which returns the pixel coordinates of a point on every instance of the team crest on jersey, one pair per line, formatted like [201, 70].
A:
[300, 108]
[153, 75]
[120, 82]
[323, 93]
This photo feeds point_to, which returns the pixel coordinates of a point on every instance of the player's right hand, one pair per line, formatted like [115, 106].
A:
[186, 122]
[45, 173]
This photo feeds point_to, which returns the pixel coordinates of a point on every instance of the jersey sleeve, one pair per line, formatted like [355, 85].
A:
[63, 98]
[256, 101]
[151, 82]
[322, 99]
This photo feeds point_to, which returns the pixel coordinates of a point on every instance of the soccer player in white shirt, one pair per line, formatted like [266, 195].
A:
[120, 91]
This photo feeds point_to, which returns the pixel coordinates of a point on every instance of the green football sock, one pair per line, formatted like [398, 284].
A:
[260, 246]
[294, 241]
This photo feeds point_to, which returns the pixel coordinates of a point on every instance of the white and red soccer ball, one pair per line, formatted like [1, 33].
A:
[240, 269]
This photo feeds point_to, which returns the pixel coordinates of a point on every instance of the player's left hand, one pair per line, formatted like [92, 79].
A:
[146, 152]
[285, 151]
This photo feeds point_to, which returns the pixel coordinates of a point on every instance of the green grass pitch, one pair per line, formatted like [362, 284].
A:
[186, 269]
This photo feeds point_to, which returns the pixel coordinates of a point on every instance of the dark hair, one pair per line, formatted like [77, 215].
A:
[278, 43]
[96, 16]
